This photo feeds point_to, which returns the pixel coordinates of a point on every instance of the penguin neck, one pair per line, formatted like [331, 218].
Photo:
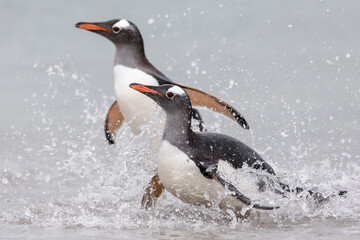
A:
[178, 130]
[130, 56]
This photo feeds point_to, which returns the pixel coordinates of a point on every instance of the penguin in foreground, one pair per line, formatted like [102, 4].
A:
[189, 162]
[197, 166]
[134, 108]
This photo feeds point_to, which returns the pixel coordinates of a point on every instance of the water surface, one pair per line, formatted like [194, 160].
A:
[292, 68]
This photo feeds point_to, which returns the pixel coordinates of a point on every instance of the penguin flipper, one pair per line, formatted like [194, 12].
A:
[196, 115]
[152, 192]
[237, 194]
[113, 122]
[203, 99]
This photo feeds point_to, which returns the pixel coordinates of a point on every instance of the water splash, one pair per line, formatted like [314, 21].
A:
[60, 172]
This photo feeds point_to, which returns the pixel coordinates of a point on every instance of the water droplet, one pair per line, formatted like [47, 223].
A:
[5, 181]
[150, 21]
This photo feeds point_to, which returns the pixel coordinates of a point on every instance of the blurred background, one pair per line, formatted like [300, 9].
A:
[291, 67]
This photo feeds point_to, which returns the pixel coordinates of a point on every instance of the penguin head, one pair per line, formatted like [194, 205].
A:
[169, 97]
[119, 31]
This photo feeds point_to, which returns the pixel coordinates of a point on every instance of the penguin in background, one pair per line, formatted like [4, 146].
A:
[131, 64]
[196, 166]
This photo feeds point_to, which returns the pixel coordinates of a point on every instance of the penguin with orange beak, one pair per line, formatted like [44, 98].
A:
[132, 107]
[202, 168]
[194, 166]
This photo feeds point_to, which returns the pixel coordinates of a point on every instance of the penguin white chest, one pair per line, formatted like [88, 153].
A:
[136, 108]
[181, 177]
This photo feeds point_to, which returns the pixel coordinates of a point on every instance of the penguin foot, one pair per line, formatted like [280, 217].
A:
[152, 192]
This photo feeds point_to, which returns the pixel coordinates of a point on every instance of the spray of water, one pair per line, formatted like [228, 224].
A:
[60, 172]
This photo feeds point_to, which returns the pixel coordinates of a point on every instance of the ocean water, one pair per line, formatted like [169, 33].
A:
[291, 67]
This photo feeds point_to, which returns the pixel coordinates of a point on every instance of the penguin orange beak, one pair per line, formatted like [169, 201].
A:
[91, 27]
[143, 89]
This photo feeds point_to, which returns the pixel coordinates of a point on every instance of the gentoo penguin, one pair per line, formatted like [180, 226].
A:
[131, 65]
[194, 166]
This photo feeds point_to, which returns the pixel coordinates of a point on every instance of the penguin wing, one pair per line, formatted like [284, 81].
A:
[113, 122]
[202, 99]
[237, 194]
[230, 150]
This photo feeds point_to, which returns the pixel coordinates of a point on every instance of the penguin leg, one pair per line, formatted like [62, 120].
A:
[237, 194]
[152, 192]
[202, 99]
[114, 120]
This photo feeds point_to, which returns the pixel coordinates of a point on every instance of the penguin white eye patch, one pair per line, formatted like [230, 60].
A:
[177, 90]
[122, 24]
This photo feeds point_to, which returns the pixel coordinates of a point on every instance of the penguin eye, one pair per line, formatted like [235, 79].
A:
[170, 95]
[116, 29]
